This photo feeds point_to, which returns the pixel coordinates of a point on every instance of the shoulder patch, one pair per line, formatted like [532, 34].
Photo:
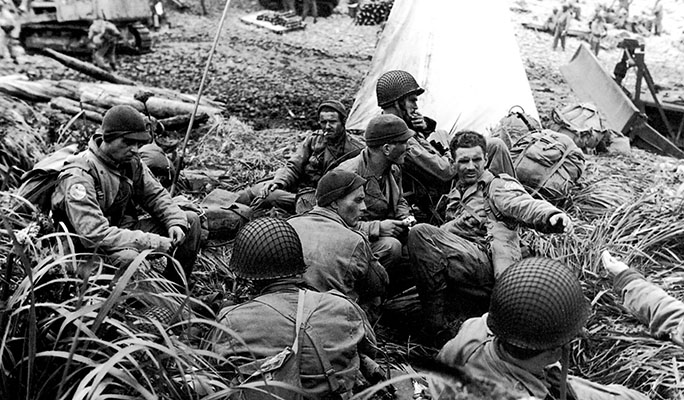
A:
[77, 191]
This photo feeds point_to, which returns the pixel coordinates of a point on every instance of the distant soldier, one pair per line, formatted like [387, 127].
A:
[598, 32]
[10, 29]
[537, 309]
[552, 20]
[562, 26]
[650, 304]
[657, 18]
[102, 36]
[310, 5]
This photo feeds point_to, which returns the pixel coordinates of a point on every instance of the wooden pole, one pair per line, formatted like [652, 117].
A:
[179, 160]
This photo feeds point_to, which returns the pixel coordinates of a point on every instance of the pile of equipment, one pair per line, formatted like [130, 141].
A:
[374, 12]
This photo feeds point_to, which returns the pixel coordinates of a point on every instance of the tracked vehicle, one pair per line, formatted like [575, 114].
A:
[63, 25]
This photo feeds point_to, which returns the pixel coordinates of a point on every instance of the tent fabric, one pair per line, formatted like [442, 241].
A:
[463, 53]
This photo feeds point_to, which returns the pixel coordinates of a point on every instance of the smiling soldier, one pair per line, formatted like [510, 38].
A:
[98, 191]
[479, 240]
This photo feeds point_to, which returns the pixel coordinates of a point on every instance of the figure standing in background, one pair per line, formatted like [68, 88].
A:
[598, 31]
[658, 18]
[310, 5]
[562, 25]
[102, 36]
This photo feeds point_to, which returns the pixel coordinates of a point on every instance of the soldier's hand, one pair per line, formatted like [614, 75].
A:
[391, 227]
[417, 121]
[165, 245]
[176, 235]
[561, 220]
[267, 189]
[612, 264]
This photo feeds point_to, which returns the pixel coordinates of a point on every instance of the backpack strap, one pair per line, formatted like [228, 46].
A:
[553, 170]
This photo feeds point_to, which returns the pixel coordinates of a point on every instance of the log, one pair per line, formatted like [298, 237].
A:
[72, 107]
[182, 121]
[87, 68]
[20, 87]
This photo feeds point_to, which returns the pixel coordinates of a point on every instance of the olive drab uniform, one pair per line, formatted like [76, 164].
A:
[304, 168]
[336, 332]
[99, 204]
[652, 305]
[477, 243]
[384, 200]
[338, 256]
[475, 350]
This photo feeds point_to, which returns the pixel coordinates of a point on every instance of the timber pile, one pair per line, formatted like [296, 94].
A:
[96, 98]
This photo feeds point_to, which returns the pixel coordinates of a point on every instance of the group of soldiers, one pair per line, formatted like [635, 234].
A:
[322, 275]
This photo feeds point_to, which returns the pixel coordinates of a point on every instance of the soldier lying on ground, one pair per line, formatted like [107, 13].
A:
[318, 153]
[379, 163]
[98, 191]
[339, 256]
[537, 309]
[323, 335]
[429, 168]
[479, 240]
[663, 314]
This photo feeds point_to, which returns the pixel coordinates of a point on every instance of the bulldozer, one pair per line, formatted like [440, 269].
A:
[62, 25]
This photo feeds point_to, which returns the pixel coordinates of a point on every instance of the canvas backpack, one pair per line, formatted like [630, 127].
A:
[38, 184]
[515, 125]
[548, 163]
[582, 123]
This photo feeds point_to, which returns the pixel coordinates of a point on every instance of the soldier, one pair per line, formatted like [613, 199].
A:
[98, 191]
[562, 26]
[323, 335]
[657, 17]
[339, 256]
[10, 30]
[663, 314]
[479, 240]
[103, 36]
[388, 215]
[537, 309]
[319, 152]
[598, 32]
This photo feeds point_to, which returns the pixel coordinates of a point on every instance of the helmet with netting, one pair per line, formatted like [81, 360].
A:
[393, 85]
[267, 248]
[537, 304]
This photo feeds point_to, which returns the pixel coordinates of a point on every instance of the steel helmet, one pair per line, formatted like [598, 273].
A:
[267, 248]
[537, 304]
[395, 84]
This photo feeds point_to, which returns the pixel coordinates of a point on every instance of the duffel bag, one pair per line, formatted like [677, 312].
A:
[548, 163]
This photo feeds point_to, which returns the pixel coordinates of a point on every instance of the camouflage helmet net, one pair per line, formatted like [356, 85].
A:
[267, 248]
[393, 85]
[537, 304]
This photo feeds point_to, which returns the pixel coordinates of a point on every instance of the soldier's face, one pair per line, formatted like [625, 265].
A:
[470, 163]
[352, 206]
[396, 152]
[121, 149]
[331, 124]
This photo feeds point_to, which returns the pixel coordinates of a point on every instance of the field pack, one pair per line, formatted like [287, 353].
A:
[38, 184]
[582, 123]
[548, 163]
[515, 125]
[224, 217]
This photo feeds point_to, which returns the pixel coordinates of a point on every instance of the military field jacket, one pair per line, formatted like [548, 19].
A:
[99, 203]
[313, 158]
[663, 314]
[338, 256]
[467, 209]
[425, 163]
[384, 195]
[476, 350]
[338, 324]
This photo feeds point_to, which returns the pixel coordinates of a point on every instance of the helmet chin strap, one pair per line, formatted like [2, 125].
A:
[565, 362]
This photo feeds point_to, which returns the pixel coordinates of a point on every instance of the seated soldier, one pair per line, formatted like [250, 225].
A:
[337, 255]
[537, 309]
[479, 240]
[318, 153]
[379, 163]
[99, 189]
[650, 304]
[397, 93]
[325, 334]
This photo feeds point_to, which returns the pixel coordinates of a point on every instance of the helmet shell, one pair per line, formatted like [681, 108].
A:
[395, 84]
[537, 304]
[267, 248]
